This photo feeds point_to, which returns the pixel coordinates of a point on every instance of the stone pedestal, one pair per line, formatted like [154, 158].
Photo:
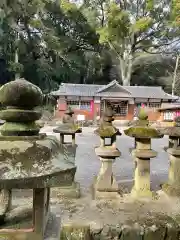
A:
[105, 185]
[142, 154]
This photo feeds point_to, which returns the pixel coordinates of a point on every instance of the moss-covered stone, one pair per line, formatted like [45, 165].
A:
[68, 129]
[170, 131]
[143, 132]
[106, 128]
[108, 131]
[19, 129]
[19, 115]
[21, 93]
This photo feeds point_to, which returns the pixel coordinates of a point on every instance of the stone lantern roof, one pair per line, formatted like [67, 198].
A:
[173, 131]
[142, 129]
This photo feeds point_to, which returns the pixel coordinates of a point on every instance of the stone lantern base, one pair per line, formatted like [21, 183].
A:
[105, 184]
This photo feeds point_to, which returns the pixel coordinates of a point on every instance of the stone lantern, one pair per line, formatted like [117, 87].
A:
[167, 131]
[69, 128]
[105, 185]
[28, 160]
[142, 154]
[172, 187]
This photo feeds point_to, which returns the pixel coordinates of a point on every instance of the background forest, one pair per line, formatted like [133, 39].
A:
[93, 41]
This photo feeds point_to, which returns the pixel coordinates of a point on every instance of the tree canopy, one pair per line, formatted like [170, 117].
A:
[49, 42]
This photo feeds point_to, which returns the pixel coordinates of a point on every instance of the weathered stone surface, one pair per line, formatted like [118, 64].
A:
[23, 160]
[143, 132]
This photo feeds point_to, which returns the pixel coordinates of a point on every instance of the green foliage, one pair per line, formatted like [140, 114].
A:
[49, 42]
[52, 41]
[130, 27]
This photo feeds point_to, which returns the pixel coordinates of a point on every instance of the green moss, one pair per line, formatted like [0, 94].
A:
[13, 128]
[143, 132]
[19, 115]
[68, 128]
[106, 131]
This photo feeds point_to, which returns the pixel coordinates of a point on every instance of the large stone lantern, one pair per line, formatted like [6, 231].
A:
[105, 185]
[69, 128]
[142, 154]
[28, 160]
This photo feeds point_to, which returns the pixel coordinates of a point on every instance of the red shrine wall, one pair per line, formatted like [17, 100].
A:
[94, 110]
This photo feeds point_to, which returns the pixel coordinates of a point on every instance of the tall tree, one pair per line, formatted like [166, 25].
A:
[129, 28]
[44, 41]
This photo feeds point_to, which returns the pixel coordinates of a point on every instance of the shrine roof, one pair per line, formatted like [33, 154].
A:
[113, 89]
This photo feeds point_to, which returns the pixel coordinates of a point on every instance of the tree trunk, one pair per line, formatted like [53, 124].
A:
[126, 68]
[174, 77]
[17, 75]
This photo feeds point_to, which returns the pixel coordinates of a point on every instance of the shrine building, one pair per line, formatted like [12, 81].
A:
[89, 100]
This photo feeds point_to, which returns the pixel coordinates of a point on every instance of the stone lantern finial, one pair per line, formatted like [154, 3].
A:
[142, 154]
[142, 118]
[20, 98]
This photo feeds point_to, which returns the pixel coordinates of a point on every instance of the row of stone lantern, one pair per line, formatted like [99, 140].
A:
[105, 184]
